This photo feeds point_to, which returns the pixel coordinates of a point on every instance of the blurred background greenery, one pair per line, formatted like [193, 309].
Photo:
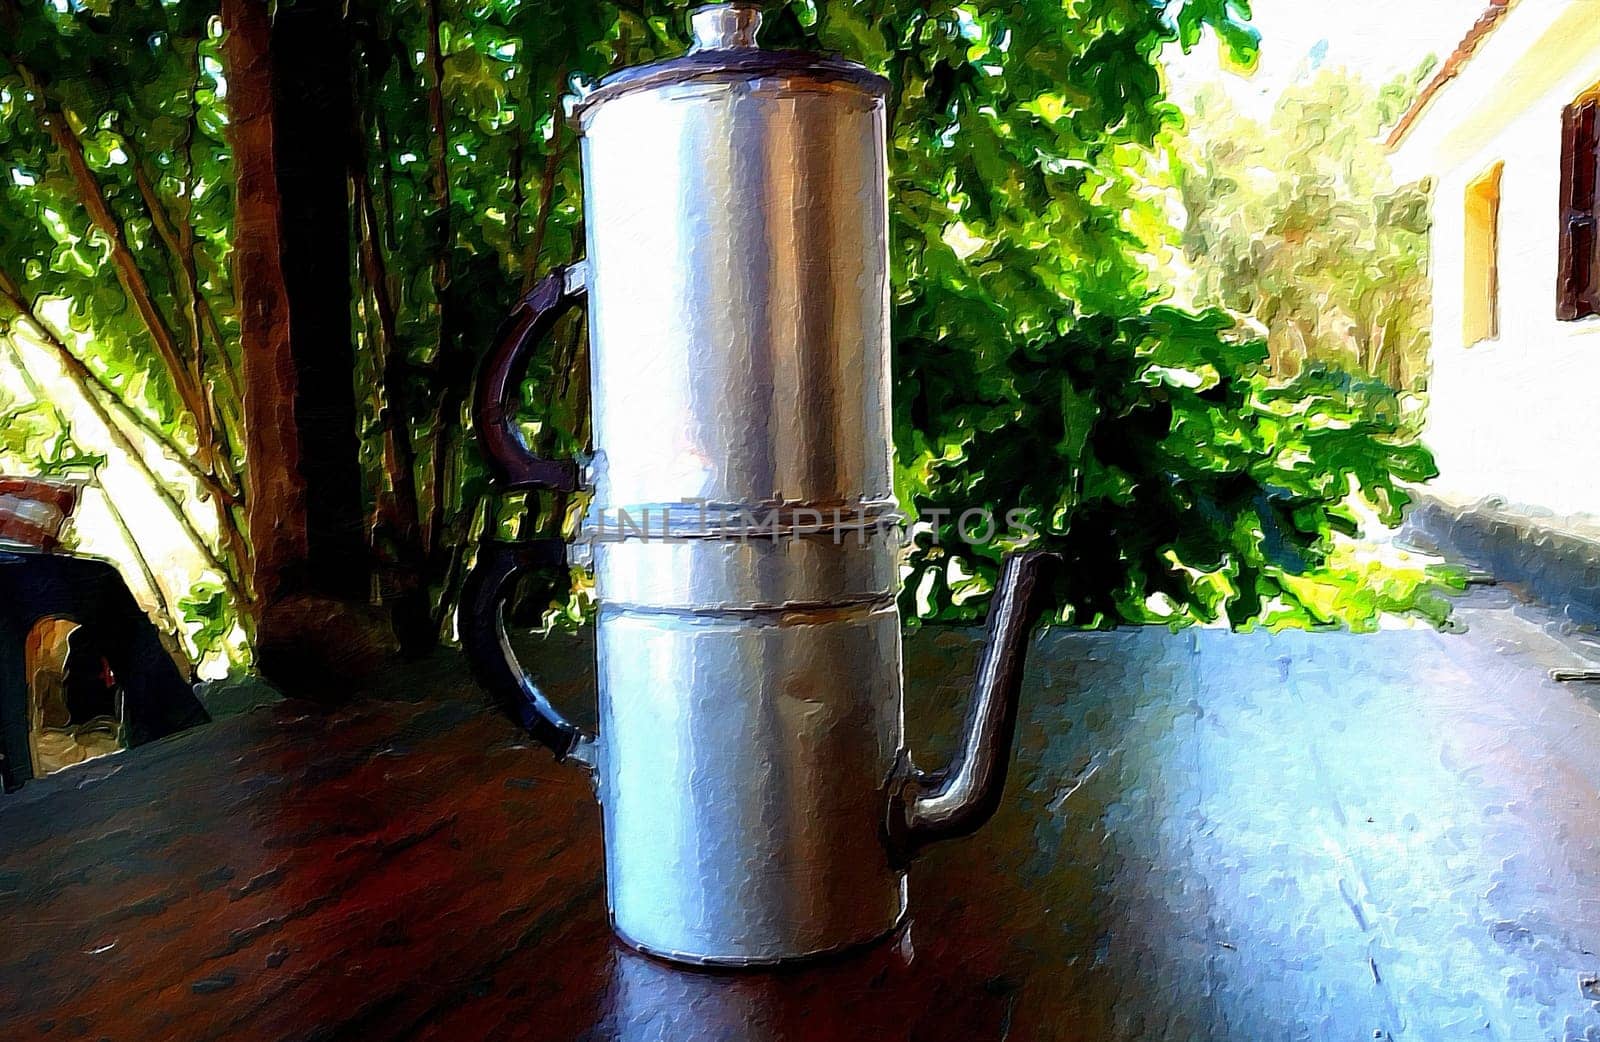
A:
[1189, 347]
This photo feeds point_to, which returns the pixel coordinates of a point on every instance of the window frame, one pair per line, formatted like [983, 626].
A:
[1578, 281]
[1483, 291]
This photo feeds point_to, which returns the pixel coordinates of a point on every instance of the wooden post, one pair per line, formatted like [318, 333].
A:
[289, 104]
[312, 94]
[276, 502]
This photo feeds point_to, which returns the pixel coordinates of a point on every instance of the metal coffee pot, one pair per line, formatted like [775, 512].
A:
[758, 802]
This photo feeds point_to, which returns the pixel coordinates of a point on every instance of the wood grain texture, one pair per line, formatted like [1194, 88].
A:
[1207, 836]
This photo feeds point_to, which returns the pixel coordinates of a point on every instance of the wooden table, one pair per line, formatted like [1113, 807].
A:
[1207, 836]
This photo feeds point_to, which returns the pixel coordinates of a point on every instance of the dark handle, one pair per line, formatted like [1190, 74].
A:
[513, 468]
[494, 664]
[512, 465]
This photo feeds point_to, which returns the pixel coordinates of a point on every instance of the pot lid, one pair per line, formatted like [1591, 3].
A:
[724, 51]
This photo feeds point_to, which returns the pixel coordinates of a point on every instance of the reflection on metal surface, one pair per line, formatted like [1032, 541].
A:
[749, 758]
[725, 25]
[652, 1001]
[966, 796]
[739, 295]
[743, 768]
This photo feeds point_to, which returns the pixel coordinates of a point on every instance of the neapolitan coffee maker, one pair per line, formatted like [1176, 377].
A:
[758, 802]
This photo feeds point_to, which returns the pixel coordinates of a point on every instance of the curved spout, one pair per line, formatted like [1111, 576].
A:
[952, 803]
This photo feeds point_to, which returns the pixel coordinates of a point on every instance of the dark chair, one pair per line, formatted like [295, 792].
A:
[156, 700]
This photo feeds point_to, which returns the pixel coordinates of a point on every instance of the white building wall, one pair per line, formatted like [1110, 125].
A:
[1517, 418]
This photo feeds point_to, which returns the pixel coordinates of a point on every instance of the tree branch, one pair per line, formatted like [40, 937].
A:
[86, 378]
[547, 188]
[92, 196]
[440, 151]
[400, 454]
[177, 234]
[169, 620]
[126, 445]
[451, 395]
[230, 373]
[163, 606]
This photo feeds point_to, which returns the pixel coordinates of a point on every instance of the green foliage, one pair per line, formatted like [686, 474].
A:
[1034, 370]
[29, 438]
[137, 85]
[1199, 488]
[1297, 224]
[208, 617]
[116, 109]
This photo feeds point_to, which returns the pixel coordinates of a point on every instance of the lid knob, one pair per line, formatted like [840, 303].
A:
[725, 26]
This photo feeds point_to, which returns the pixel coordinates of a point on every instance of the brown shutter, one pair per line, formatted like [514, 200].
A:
[1579, 288]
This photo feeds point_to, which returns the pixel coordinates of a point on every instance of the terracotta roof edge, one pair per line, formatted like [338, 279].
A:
[1487, 22]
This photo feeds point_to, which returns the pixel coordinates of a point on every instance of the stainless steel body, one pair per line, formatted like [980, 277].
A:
[758, 802]
[739, 293]
[750, 724]
[750, 686]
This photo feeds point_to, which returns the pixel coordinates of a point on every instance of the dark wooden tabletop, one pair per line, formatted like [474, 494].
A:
[1207, 837]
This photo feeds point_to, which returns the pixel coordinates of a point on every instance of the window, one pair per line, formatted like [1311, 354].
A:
[1579, 289]
[1480, 303]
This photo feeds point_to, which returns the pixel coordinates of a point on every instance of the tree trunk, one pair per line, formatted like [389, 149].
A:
[289, 99]
[312, 89]
[277, 493]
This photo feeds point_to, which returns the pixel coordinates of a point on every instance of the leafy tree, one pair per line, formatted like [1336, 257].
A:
[1296, 223]
[115, 201]
[1035, 369]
